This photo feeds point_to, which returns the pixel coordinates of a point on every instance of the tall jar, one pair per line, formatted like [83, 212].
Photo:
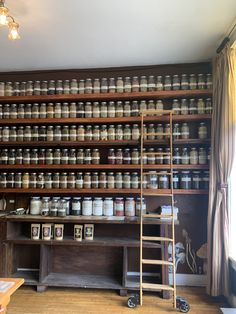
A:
[176, 106]
[103, 109]
[159, 84]
[118, 180]
[151, 83]
[108, 206]
[202, 131]
[97, 206]
[119, 109]
[112, 85]
[200, 106]
[140, 206]
[184, 106]
[119, 209]
[135, 84]
[94, 180]
[193, 156]
[185, 180]
[96, 86]
[143, 83]
[87, 206]
[185, 156]
[192, 81]
[196, 180]
[111, 112]
[167, 82]
[119, 85]
[184, 81]
[127, 85]
[127, 109]
[185, 131]
[192, 106]
[129, 207]
[104, 85]
[202, 156]
[176, 82]
[81, 87]
[35, 205]
[119, 156]
[87, 180]
[76, 206]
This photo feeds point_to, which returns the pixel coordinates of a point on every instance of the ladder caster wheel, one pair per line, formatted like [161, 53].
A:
[182, 305]
[133, 301]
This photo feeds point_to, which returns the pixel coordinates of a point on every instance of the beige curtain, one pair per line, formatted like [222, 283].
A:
[223, 140]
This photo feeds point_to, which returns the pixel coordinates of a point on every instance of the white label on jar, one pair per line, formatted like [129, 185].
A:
[88, 111]
[193, 108]
[79, 181]
[104, 88]
[5, 158]
[102, 181]
[112, 87]
[185, 133]
[27, 135]
[151, 85]
[95, 158]
[185, 179]
[175, 179]
[76, 206]
[126, 158]
[34, 159]
[144, 85]
[135, 85]
[108, 208]
[193, 84]
[205, 179]
[119, 182]
[135, 158]
[177, 157]
[103, 111]
[151, 158]
[167, 85]
[196, 179]
[163, 179]
[87, 158]
[176, 133]
[127, 85]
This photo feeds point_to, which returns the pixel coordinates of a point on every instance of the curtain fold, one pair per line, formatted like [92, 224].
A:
[222, 155]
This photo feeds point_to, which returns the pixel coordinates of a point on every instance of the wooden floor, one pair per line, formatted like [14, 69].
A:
[76, 301]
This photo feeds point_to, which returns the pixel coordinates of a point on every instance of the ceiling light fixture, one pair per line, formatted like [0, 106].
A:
[8, 20]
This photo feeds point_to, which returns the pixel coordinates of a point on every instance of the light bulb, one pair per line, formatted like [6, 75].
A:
[13, 31]
[3, 15]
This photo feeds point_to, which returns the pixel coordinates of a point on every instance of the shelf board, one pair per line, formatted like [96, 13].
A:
[150, 192]
[84, 219]
[71, 144]
[101, 166]
[52, 121]
[31, 276]
[82, 281]
[133, 281]
[107, 96]
[98, 241]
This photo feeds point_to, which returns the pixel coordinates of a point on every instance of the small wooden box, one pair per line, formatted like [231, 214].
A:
[78, 232]
[35, 231]
[88, 231]
[58, 232]
[46, 231]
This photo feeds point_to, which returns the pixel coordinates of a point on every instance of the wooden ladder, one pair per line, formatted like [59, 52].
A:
[143, 261]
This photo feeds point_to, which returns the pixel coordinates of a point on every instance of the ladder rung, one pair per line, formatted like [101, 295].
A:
[158, 173]
[156, 134]
[156, 194]
[157, 153]
[148, 238]
[156, 111]
[156, 262]
[153, 286]
[157, 216]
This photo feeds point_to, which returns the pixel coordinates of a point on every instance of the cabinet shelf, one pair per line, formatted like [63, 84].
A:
[52, 121]
[98, 241]
[108, 96]
[103, 143]
[101, 167]
[100, 191]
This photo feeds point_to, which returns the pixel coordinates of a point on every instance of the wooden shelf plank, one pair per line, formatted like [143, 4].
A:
[107, 96]
[102, 166]
[101, 191]
[115, 120]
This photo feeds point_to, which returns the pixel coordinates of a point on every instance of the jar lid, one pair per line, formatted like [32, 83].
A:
[185, 172]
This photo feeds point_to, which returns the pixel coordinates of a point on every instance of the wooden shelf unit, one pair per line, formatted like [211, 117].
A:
[45, 263]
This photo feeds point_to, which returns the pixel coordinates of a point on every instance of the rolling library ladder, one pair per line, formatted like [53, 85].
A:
[178, 302]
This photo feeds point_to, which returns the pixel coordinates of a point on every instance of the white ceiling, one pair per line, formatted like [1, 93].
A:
[61, 34]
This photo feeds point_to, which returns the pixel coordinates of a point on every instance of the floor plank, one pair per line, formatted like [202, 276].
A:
[75, 301]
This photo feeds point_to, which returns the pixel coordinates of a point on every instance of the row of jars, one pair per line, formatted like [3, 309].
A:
[188, 180]
[100, 110]
[94, 180]
[87, 206]
[98, 132]
[49, 156]
[184, 156]
[107, 85]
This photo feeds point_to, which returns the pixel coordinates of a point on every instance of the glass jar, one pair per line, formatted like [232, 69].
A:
[126, 180]
[134, 180]
[209, 81]
[176, 131]
[40, 180]
[33, 180]
[143, 84]
[127, 85]
[196, 180]
[185, 131]
[96, 110]
[111, 133]
[184, 106]
[27, 134]
[87, 180]
[81, 86]
[202, 156]
[6, 111]
[108, 206]
[73, 133]
[104, 85]
[167, 82]
[200, 106]
[97, 206]
[10, 180]
[50, 110]
[127, 132]
[167, 131]
[35, 205]
[142, 105]
[135, 132]
[176, 156]
[151, 157]
[94, 180]
[119, 156]
[51, 87]
[57, 133]
[152, 182]
[25, 180]
[64, 157]
[81, 133]
[44, 87]
[119, 85]
[19, 157]
[34, 157]
[175, 180]
[74, 86]
[2, 89]
[96, 86]
[127, 157]
[29, 88]
[134, 108]
[72, 157]
[193, 156]
[185, 156]
[13, 111]
[119, 109]
[112, 85]
[119, 132]
[56, 180]
[42, 111]
[80, 156]
[163, 180]
[48, 180]
[192, 106]
[184, 81]
[118, 180]
[151, 83]
[3, 180]
[4, 157]
[192, 81]
[35, 111]
[110, 180]
[201, 81]
[76, 206]
[80, 110]
[22, 88]
[159, 132]
[8, 89]
[65, 110]
[12, 134]
[135, 157]
[103, 133]
[72, 110]
[127, 109]
[166, 156]
[79, 182]
[57, 156]
[20, 134]
[63, 180]
[59, 87]
[28, 111]
[151, 131]
[202, 131]
[176, 107]
[103, 109]
[42, 133]
[87, 156]
[54, 206]
[65, 133]
[140, 206]
[111, 112]
[119, 209]
[111, 157]
[102, 180]
[71, 180]
[41, 156]
[95, 157]
[185, 180]
[45, 206]
[135, 84]
[88, 86]
[26, 157]
[159, 84]
[176, 82]
[208, 108]
[50, 133]
[205, 180]
[129, 207]
[21, 111]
